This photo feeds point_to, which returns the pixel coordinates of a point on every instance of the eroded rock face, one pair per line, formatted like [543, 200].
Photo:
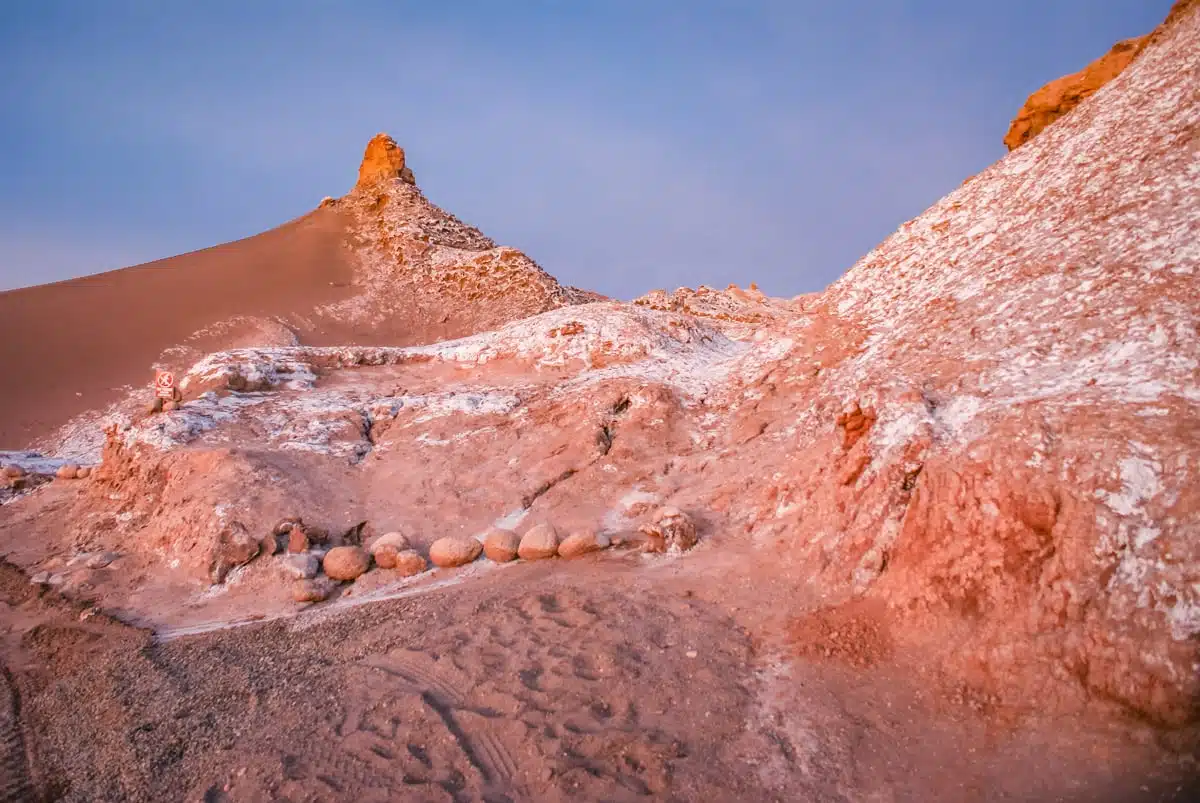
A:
[383, 160]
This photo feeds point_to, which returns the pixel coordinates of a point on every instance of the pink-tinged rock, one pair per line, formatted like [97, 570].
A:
[581, 543]
[454, 551]
[297, 539]
[501, 545]
[539, 542]
[68, 471]
[83, 473]
[345, 563]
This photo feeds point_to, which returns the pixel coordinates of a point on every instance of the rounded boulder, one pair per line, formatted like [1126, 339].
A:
[454, 551]
[345, 563]
[501, 545]
[538, 543]
[69, 471]
[396, 540]
[581, 543]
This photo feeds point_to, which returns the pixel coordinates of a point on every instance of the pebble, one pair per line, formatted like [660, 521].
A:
[454, 551]
[539, 542]
[346, 562]
[501, 545]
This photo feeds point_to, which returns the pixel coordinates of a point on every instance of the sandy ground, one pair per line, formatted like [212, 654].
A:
[621, 678]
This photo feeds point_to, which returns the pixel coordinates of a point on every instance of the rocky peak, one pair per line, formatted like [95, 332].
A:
[1061, 96]
[383, 160]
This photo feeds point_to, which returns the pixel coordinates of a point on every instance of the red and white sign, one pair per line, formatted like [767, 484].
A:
[164, 384]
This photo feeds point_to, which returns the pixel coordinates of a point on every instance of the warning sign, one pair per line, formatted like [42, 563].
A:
[164, 384]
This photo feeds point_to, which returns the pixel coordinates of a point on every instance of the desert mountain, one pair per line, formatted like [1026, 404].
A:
[964, 477]
[381, 265]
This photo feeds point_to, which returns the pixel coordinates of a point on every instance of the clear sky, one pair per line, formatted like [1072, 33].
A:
[623, 145]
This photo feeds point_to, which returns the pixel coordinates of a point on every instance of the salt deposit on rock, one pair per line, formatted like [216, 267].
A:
[454, 551]
[539, 542]
[670, 530]
[501, 545]
[345, 563]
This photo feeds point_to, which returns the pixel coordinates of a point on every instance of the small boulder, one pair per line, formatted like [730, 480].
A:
[539, 542]
[156, 406]
[670, 530]
[409, 562]
[454, 551]
[83, 473]
[300, 567]
[297, 539]
[581, 543]
[346, 562]
[235, 547]
[13, 471]
[501, 545]
[396, 540]
[385, 556]
[317, 589]
[67, 471]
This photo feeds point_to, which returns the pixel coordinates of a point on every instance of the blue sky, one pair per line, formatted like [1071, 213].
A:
[624, 145]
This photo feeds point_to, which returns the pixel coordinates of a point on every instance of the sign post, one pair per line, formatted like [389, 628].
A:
[164, 385]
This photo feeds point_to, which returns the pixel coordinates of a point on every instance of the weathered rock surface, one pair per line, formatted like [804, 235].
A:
[345, 563]
[539, 542]
[454, 551]
[501, 545]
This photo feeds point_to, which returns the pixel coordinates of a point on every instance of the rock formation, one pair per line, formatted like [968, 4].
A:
[985, 432]
[1060, 96]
